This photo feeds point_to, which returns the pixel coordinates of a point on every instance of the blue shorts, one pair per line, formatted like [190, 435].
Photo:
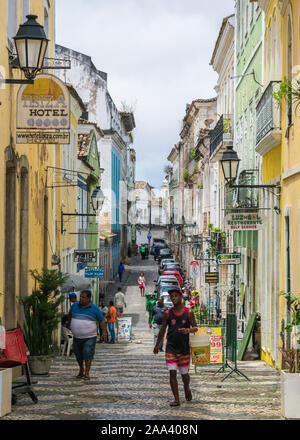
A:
[84, 349]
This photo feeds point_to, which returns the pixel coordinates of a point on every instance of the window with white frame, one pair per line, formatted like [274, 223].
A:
[25, 9]
[12, 8]
[69, 159]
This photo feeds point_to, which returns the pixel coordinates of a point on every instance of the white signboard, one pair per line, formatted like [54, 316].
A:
[244, 221]
[194, 265]
[42, 109]
[124, 329]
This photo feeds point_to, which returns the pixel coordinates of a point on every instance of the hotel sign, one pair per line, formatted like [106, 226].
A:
[244, 221]
[43, 112]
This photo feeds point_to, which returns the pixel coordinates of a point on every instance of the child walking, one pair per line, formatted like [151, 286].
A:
[180, 322]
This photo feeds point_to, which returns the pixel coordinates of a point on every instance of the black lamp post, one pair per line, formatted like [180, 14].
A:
[196, 249]
[230, 164]
[97, 199]
[31, 44]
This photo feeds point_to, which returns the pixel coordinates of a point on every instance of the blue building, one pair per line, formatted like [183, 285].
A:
[115, 207]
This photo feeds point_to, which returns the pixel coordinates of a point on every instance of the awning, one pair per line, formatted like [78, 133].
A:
[75, 283]
[104, 235]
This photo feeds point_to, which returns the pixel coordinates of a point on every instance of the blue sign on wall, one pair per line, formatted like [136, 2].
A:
[94, 272]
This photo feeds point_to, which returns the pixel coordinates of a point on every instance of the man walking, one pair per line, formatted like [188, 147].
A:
[156, 320]
[121, 270]
[84, 317]
[104, 309]
[180, 322]
[119, 302]
[111, 319]
[143, 251]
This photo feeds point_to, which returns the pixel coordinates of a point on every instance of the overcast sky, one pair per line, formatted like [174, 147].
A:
[156, 54]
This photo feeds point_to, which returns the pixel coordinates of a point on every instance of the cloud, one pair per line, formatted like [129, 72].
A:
[156, 54]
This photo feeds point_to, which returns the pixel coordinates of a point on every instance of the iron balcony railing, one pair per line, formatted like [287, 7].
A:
[172, 184]
[267, 112]
[221, 133]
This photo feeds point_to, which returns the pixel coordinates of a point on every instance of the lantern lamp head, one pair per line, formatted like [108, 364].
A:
[230, 164]
[31, 44]
[97, 199]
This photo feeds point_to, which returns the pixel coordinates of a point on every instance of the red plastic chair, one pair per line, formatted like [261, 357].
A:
[13, 355]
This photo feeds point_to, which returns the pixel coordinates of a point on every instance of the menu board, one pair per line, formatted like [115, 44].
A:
[216, 343]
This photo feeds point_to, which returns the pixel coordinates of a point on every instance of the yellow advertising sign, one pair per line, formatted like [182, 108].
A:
[216, 352]
[43, 106]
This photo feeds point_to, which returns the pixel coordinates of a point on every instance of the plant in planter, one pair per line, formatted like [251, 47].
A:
[290, 380]
[288, 90]
[217, 242]
[42, 317]
[195, 155]
[186, 176]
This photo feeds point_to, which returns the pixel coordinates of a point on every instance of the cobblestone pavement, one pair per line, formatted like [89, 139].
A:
[128, 382]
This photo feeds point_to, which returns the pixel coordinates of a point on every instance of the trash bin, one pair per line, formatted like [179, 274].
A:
[200, 345]
[5, 391]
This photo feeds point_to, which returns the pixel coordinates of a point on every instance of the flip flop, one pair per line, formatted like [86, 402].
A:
[175, 404]
[79, 376]
[189, 396]
[86, 378]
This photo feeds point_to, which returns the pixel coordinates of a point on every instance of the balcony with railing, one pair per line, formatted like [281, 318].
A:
[243, 198]
[173, 183]
[220, 137]
[268, 120]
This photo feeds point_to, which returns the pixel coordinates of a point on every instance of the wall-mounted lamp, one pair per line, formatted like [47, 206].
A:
[31, 45]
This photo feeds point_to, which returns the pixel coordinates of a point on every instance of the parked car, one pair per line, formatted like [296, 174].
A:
[170, 280]
[176, 266]
[165, 253]
[176, 273]
[163, 262]
[163, 289]
[167, 300]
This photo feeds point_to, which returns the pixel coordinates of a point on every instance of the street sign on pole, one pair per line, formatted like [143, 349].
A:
[194, 265]
[94, 272]
[211, 277]
[149, 236]
[229, 259]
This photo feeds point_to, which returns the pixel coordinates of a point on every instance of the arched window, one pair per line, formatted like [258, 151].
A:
[23, 235]
[10, 240]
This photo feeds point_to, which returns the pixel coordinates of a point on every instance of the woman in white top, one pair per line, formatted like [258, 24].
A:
[141, 283]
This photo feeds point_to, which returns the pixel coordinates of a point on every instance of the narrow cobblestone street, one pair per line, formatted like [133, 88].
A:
[129, 382]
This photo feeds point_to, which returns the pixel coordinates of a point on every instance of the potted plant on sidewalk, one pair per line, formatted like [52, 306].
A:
[290, 379]
[42, 317]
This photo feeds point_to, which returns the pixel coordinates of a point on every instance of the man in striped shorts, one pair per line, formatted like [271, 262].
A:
[180, 322]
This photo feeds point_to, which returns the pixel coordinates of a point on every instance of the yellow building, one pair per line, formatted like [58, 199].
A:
[27, 214]
[277, 141]
[290, 211]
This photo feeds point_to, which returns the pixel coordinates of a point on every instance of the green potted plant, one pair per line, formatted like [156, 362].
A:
[186, 176]
[290, 377]
[42, 317]
[288, 90]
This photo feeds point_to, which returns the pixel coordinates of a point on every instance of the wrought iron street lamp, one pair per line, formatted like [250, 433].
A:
[196, 249]
[31, 45]
[230, 164]
[97, 199]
